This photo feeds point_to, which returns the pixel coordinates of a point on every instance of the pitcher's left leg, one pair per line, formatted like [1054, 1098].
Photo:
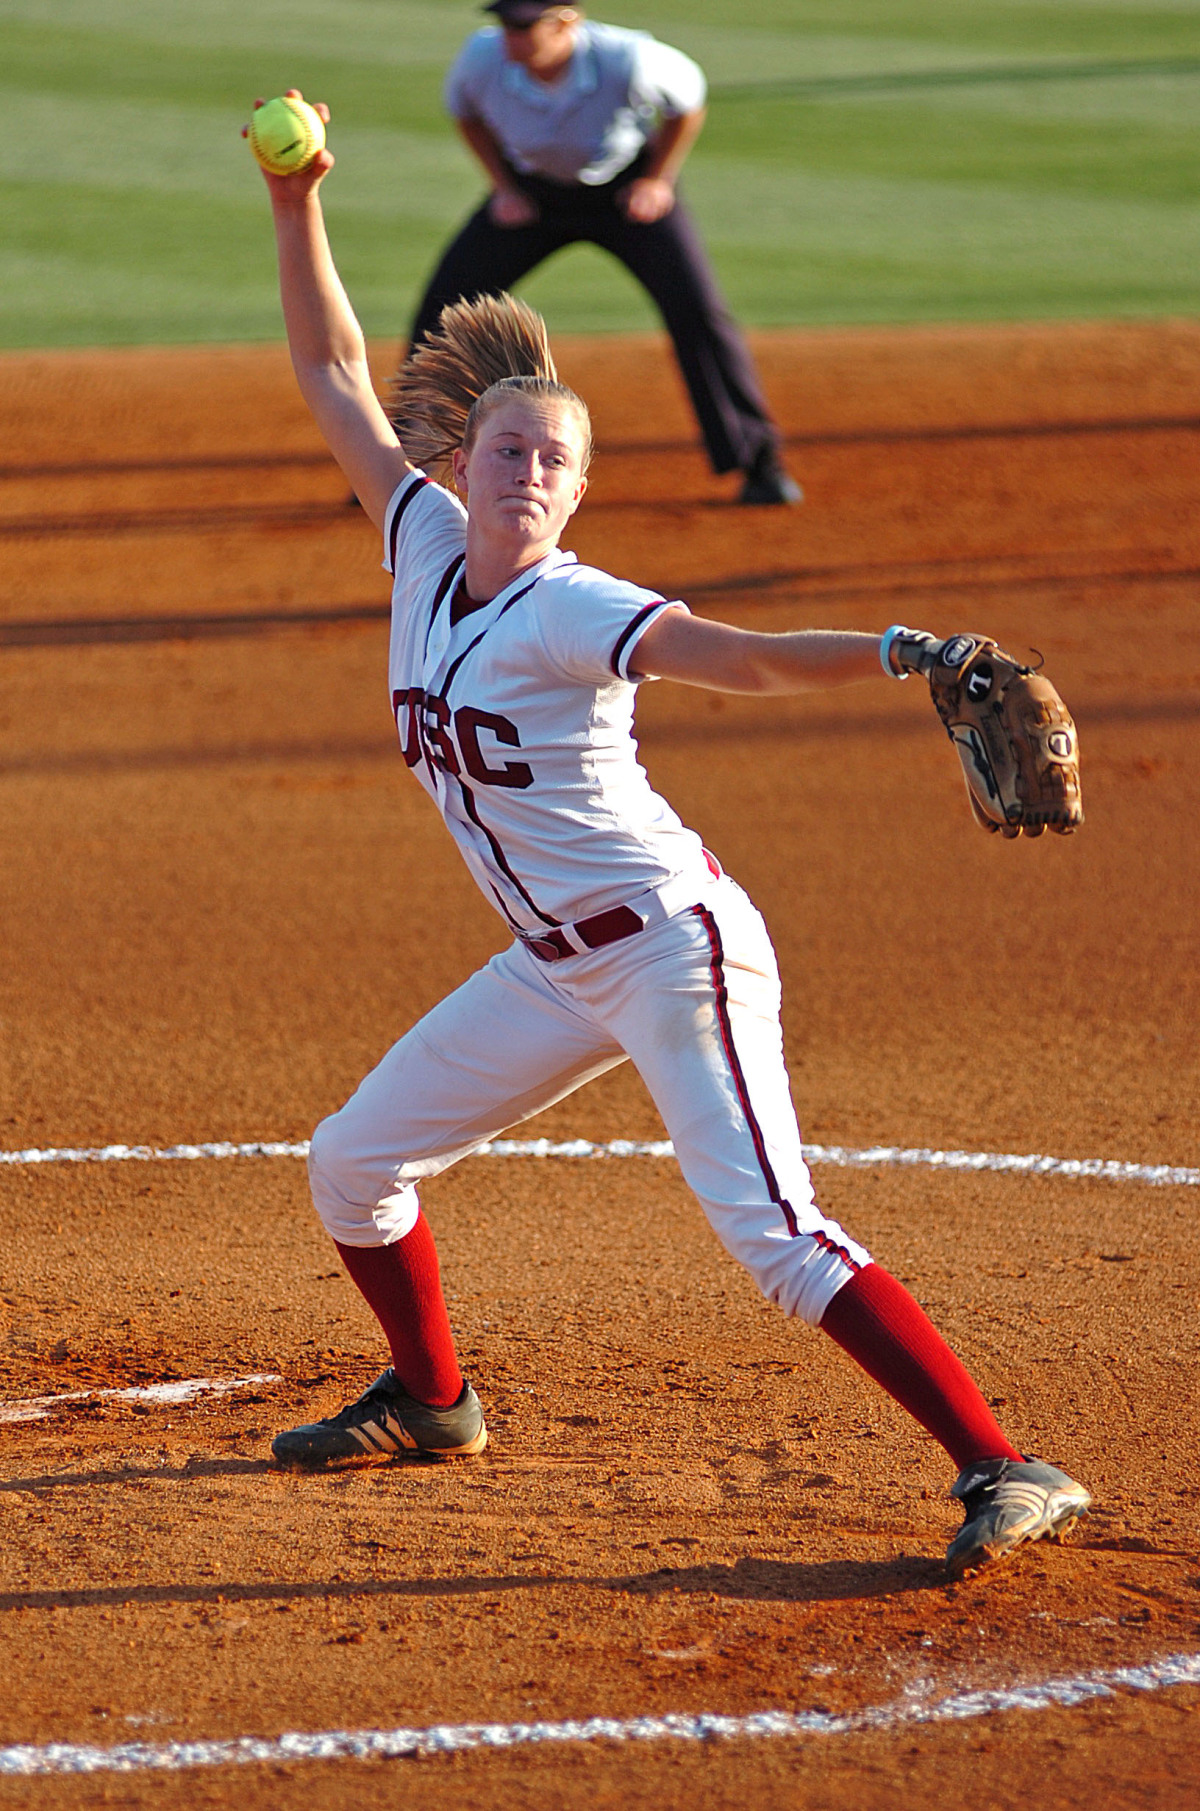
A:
[697, 1008]
[710, 1050]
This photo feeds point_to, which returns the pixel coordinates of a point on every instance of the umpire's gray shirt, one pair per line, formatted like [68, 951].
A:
[591, 123]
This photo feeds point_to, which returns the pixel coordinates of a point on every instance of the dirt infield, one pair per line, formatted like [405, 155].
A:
[222, 898]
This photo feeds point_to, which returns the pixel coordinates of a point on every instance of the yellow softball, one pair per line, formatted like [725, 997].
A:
[286, 134]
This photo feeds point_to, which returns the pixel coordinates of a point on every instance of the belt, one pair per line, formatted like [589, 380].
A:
[619, 922]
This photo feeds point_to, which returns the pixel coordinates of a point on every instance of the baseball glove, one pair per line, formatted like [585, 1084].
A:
[1013, 733]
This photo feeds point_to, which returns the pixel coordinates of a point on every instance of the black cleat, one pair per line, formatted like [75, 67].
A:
[1005, 1504]
[767, 482]
[383, 1424]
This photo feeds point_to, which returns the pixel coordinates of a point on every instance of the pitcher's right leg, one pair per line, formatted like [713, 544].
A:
[499, 1049]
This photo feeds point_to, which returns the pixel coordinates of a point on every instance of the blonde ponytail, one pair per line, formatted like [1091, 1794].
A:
[479, 352]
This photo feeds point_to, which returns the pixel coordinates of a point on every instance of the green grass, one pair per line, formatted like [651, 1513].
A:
[888, 161]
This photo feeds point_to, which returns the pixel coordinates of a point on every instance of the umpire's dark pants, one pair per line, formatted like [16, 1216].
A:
[667, 258]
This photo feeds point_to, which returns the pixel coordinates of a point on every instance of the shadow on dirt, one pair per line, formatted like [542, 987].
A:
[137, 1474]
[760, 1580]
[782, 1581]
[813, 725]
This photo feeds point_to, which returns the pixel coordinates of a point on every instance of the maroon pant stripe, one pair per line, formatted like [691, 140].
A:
[717, 970]
[839, 1251]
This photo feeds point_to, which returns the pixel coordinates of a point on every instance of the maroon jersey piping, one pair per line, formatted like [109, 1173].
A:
[394, 531]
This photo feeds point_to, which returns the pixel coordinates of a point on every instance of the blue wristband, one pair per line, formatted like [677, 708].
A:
[885, 650]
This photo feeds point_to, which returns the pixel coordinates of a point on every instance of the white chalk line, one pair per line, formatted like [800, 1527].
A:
[181, 1389]
[915, 1706]
[1105, 1169]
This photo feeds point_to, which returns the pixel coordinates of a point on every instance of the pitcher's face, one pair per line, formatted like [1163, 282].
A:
[523, 477]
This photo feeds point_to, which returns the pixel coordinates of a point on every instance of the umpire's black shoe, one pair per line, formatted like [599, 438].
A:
[383, 1423]
[767, 482]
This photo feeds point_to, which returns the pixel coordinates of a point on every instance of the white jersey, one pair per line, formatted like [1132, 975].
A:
[518, 721]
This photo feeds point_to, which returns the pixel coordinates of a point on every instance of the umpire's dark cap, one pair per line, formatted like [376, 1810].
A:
[522, 12]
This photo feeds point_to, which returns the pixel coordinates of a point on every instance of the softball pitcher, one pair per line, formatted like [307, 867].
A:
[513, 673]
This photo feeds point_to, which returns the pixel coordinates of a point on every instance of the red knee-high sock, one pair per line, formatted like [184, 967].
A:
[878, 1323]
[402, 1287]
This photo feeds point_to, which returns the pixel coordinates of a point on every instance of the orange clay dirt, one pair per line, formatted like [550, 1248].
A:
[222, 897]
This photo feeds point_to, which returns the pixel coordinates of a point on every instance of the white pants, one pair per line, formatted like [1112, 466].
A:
[694, 1002]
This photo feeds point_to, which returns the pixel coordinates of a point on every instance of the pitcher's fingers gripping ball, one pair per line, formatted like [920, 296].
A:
[285, 134]
[1013, 733]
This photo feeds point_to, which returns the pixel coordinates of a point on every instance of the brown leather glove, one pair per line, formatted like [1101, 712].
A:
[1014, 735]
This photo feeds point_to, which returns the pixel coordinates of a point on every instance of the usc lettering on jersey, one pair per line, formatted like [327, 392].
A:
[518, 721]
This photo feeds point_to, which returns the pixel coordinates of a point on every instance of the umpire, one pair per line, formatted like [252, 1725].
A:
[582, 129]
